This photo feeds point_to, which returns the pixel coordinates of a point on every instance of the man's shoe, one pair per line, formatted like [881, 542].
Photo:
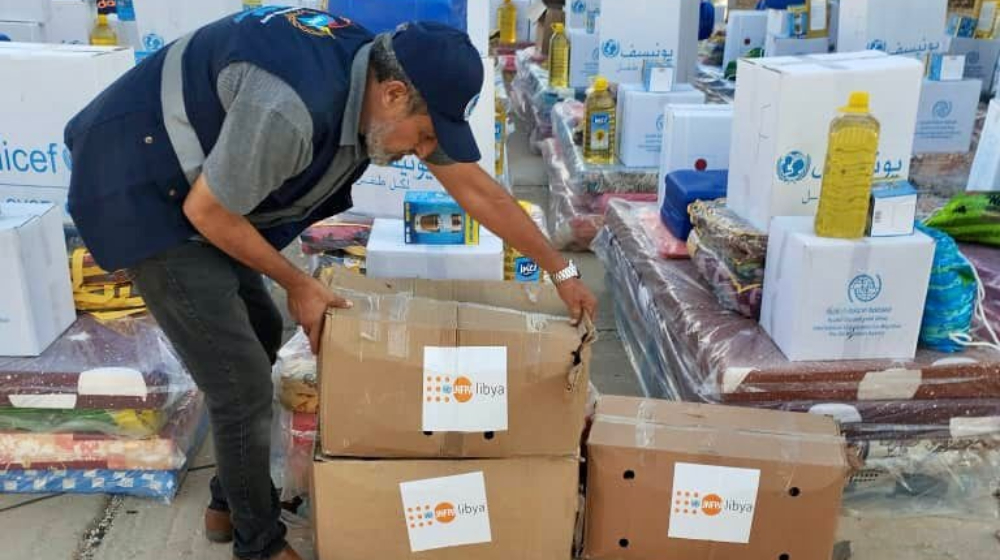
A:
[286, 554]
[218, 526]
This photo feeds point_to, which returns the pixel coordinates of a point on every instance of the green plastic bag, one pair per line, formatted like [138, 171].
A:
[970, 217]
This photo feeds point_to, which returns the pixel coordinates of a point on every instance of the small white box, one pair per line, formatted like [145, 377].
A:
[380, 191]
[836, 299]
[38, 11]
[946, 67]
[36, 296]
[577, 11]
[162, 22]
[23, 31]
[781, 125]
[745, 32]
[695, 137]
[779, 46]
[640, 121]
[71, 22]
[981, 57]
[985, 174]
[388, 256]
[893, 209]
[779, 23]
[946, 117]
[657, 77]
[584, 57]
[34, 114]
[909, 27]
[636, 30]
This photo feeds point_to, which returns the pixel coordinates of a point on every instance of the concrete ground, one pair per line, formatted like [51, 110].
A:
[56, 527]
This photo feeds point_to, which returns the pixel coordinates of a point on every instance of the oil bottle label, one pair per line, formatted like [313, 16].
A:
[600, 131]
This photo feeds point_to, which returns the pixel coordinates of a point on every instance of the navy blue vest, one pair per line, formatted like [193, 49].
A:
[127, 189]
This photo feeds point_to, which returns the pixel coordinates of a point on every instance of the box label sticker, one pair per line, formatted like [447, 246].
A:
[445, 512]
[465, 389]
[713, 503]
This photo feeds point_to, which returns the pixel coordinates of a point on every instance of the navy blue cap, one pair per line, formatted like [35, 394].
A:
[446, 69]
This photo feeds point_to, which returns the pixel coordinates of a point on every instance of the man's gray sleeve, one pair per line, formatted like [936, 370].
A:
[265, 140]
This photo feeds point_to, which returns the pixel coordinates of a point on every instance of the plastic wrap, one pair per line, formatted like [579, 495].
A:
[293, 441]
[97, 290]
[336, 234]
[733, 291]
[531, 97]
[119, 364]
[119, 423]
[343, 259]
[572, 225]
[664, 243]
[986, 260]
[951, 295]
[297, 375]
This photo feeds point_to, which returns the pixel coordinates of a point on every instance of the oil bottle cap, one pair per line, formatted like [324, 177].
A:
[558, 27]
[856, 103]
[600, 83]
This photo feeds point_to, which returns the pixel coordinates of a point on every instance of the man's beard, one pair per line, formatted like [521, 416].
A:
[375, 140]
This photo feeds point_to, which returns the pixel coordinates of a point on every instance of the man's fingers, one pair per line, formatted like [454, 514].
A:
[577, 315]
[313, 335]
[341, 303]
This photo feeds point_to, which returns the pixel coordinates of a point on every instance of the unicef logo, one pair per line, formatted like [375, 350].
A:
[579, 7]
[793, 167]
[972, 57]
[942, 109]
[659, 123]
[864, 288]
[611, 48]
[152, 42]
[67, 158]
[877, 45]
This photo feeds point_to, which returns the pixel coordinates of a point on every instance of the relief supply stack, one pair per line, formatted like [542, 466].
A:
[431, 399]
[797, 27]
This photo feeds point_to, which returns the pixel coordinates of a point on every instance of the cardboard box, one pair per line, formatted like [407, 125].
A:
[893, 209]
[23, 31]
[38, 11]
[636, 30]
[640, 121]
[543, 27]
[985, 174]
[695, 137]
[584, 57]
[981, 57]
[451, 369]
[777, 46]
[34, 162]
[488, 510]
[679, 480]
[947, 116]
[876, 25]
[745, 32]
[71, 22]
[36, 297]
[380, 191]
[946, 67]
[435, 218]
[836, 299]
[783, 111]
[389, 256]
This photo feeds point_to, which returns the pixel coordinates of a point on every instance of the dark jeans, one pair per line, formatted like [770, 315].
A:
[227, 331]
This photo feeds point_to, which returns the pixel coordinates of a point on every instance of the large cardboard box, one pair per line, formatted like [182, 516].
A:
[679, 480]
[907, 27]
[35, 165]
[640, 121]
[745, 31]
[390, 256]
[783, 111]
[838, 299]
[947, 116]
[981, 57]
[451, 369]
[36, 297]
[445, 510]
[633, 31]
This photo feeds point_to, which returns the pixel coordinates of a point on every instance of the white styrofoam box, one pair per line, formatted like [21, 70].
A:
[162, 22]
[893, 209]
[23, 31]
[584, 57]
[745, 32]
[779, 46]
[388, 256]
[695, 137]
[985, 174]
[632, 31]
[640, 121]
[911, 27]
[837, 299]
[981, 57]
[36, 296]
[946, 117]
[781, 126]
[38, 11]
[71, 22]
[380, 191]
[34, 114]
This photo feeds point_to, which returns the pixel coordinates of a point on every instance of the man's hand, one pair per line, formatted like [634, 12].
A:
[578, 299]
[308, 301]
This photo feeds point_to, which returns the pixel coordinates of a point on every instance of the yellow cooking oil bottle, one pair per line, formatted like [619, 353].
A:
[985, 12]
[518, 267]
[559, 57]
[499, 136]
[507, 21]
[599, 127]
[847, 178]
[103, 35]
[252, 4]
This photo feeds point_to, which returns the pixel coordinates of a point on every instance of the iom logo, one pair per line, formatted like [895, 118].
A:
[942, 109]
[597, 54]
[611, 48]
[659, 124]
[153, 42]
[864, 288]
[579, 6]
[793, 166]
[972, 57]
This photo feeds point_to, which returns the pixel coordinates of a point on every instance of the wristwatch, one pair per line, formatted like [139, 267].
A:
[568, 273]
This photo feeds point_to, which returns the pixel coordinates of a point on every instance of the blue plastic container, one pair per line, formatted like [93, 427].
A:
[683, 188]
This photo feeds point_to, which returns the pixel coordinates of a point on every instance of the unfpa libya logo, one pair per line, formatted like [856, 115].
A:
[426, 516]
[692, 503]
[445, 389]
